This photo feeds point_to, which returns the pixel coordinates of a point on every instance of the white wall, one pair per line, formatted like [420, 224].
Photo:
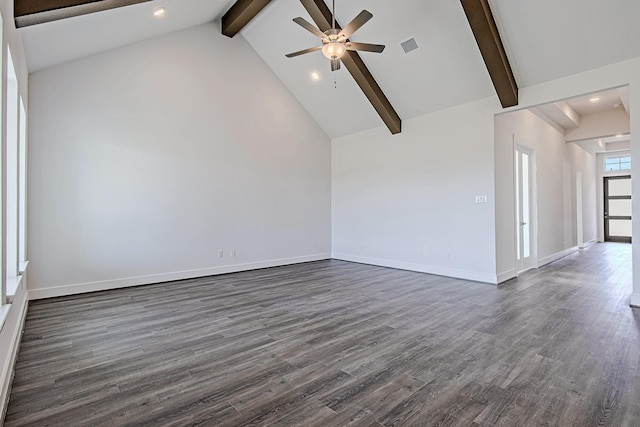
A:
[10, 330]
[148, 159]
[408, 200]
[556, 165]
[586, 163]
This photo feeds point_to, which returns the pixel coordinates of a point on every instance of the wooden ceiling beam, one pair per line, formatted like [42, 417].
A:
[32, 12]
[321, 15]
[486, 33]
[240, 14]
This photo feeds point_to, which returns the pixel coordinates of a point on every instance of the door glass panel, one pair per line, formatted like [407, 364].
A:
[619, 207]
[619, 187]
[525, 206]
[620, 227]
[518, 160]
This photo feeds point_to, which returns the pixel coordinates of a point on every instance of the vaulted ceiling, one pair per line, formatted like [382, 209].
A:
[543, 40]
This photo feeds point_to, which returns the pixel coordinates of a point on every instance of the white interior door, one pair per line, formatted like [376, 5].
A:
[525, 257]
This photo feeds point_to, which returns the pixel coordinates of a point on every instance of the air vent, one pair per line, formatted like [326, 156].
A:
[409, 45]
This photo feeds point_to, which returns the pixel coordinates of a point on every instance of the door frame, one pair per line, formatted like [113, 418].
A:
[520, 265]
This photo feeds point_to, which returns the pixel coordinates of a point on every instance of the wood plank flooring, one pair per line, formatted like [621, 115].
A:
[333, 343]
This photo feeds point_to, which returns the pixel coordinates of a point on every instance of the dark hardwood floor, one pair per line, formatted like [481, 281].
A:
[334, 343]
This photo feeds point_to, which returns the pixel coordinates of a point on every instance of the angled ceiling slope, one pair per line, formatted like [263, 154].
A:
[243, 11]
[32, 12]
[486, 33]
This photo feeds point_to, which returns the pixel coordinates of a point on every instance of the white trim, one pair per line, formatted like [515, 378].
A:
[507, 275]
[635, 300]
[4, 313]
[23, 266]
[12, 284]
[527, 269]
[554, 257]
[589, 243]
[8, 369]
[80, 288]
[579, 218]
[421, 268]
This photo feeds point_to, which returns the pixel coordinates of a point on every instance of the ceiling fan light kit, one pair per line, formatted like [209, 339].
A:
[335, 43]
[334, 50]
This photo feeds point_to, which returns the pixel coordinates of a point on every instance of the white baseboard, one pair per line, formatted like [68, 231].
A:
[507, 275]
[80, 288]
[635, 300]
[16, 322]
[421, 268]
[554, 257]
[589, 243]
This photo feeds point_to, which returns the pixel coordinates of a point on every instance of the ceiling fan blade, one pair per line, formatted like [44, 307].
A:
[354, 25]
[366, 47]
[302, 52]
[309, 27]
[335, 64]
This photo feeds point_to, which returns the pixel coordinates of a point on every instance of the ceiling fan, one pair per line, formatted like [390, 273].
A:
[335, 42]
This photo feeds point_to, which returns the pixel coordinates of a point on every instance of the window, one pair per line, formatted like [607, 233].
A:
[11, 165]
[13, 178]
[618, 163]
[4, 310]
[12, 169]
[22, 190]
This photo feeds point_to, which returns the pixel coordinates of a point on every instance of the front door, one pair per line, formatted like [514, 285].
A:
[617, 209]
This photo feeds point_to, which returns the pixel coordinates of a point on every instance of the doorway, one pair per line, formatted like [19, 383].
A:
[617, 208]
[525, 213]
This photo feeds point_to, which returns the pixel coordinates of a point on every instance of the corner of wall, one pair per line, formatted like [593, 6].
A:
[506, 275]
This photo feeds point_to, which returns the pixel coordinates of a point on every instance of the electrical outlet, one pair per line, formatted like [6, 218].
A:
[481, 199]
[233, 252]
[220, 254]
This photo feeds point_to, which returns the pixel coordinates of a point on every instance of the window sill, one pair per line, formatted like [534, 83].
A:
[13, 282]
[23, 267]
[4, 312]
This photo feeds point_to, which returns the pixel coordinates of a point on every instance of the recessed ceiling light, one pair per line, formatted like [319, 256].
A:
[619, 135]
[315, 76]
[159, 12]
[616, 105]
[596, 99]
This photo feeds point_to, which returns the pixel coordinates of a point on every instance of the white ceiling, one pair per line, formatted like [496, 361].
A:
[446, 70]
[68, 39]
[599, 102]
[544, 39]
[567, 115]
[549, 39]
